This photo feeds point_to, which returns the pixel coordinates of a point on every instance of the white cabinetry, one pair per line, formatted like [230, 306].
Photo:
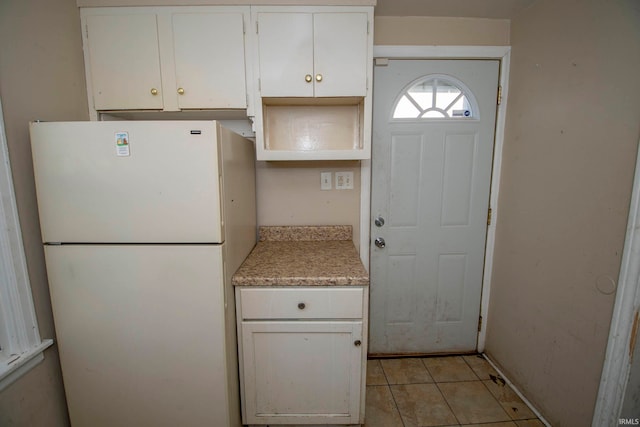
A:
[312, 72]
[312, 54]
[302, 354]
[124, 61]
[165, 58]
[209, 59]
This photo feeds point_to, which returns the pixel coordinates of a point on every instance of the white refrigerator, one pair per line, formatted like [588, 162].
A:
[143, 224]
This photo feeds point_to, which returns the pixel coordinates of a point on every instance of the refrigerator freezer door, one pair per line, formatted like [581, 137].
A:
[141, 334]
[128, 181]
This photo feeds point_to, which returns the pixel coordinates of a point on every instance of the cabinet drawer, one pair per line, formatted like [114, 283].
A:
[301, 303]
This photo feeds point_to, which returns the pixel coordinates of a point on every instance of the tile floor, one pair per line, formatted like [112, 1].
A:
[442, 391]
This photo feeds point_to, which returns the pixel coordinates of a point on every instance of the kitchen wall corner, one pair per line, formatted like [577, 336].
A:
[41, 77]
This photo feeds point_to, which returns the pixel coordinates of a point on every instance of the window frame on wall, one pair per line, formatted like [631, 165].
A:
[20, 345]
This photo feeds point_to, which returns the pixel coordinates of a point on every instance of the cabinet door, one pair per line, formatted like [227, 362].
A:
[209, 57]
[340, 54]
[285, 54]
[297, 371]
[125, 62]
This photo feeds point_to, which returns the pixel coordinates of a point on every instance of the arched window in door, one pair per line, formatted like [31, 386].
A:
[438, 97]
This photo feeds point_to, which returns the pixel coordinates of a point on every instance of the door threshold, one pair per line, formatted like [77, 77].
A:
[418, 354]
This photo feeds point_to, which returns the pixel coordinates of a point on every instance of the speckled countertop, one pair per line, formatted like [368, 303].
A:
[303, 256]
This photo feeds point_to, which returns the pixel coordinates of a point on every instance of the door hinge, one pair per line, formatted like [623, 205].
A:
[244, 31]
[257, 32]
[499, 95]
[489, 216]
[367, 26]
[479, 323]
[86, 31]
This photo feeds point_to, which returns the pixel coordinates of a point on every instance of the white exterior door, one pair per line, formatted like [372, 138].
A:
[433, 135]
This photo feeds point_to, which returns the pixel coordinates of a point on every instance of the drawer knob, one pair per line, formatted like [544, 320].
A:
[357, 343]
[154, 91]
[180, 91]
[301, 305]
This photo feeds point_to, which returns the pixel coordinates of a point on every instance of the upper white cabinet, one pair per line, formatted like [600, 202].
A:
[125, 61]
[321, 54]
[209, 60]
[312, 75]
[166, 58]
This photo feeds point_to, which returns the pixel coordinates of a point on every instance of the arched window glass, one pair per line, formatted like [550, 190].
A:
[436, 97]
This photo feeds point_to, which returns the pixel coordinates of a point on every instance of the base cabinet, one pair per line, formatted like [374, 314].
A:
[297, 370]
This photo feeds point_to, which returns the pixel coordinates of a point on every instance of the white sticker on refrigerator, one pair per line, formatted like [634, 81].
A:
[122, 144]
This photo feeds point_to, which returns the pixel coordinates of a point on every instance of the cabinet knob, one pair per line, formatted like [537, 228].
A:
[154, 91]
[301, 305]
[357, 343]
[180, 91]
[318, 77]
[308, 78]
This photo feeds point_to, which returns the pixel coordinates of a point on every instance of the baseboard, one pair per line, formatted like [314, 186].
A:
[515, 389]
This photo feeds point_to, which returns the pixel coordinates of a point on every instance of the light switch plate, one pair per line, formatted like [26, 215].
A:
[344, 180]
[325, 180]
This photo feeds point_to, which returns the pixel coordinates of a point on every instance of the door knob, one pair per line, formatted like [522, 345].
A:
[357, 343]
[379, 221]
[380, 242]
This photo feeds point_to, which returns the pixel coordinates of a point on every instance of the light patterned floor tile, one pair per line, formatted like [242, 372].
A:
[480, 366]
[475, 403]
[452, 368]
[381, 410]
[471, 402]
[422, 405]
[530, 423]
[375, 374]
[505, 424]
[405, 371]
[510, 401]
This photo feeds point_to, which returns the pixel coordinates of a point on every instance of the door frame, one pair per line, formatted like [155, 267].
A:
[501, 53]
[619, 355]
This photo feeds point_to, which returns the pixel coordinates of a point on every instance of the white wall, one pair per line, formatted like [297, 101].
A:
[289, 194]
[568, 162]
[41, 77]
[431, 30]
